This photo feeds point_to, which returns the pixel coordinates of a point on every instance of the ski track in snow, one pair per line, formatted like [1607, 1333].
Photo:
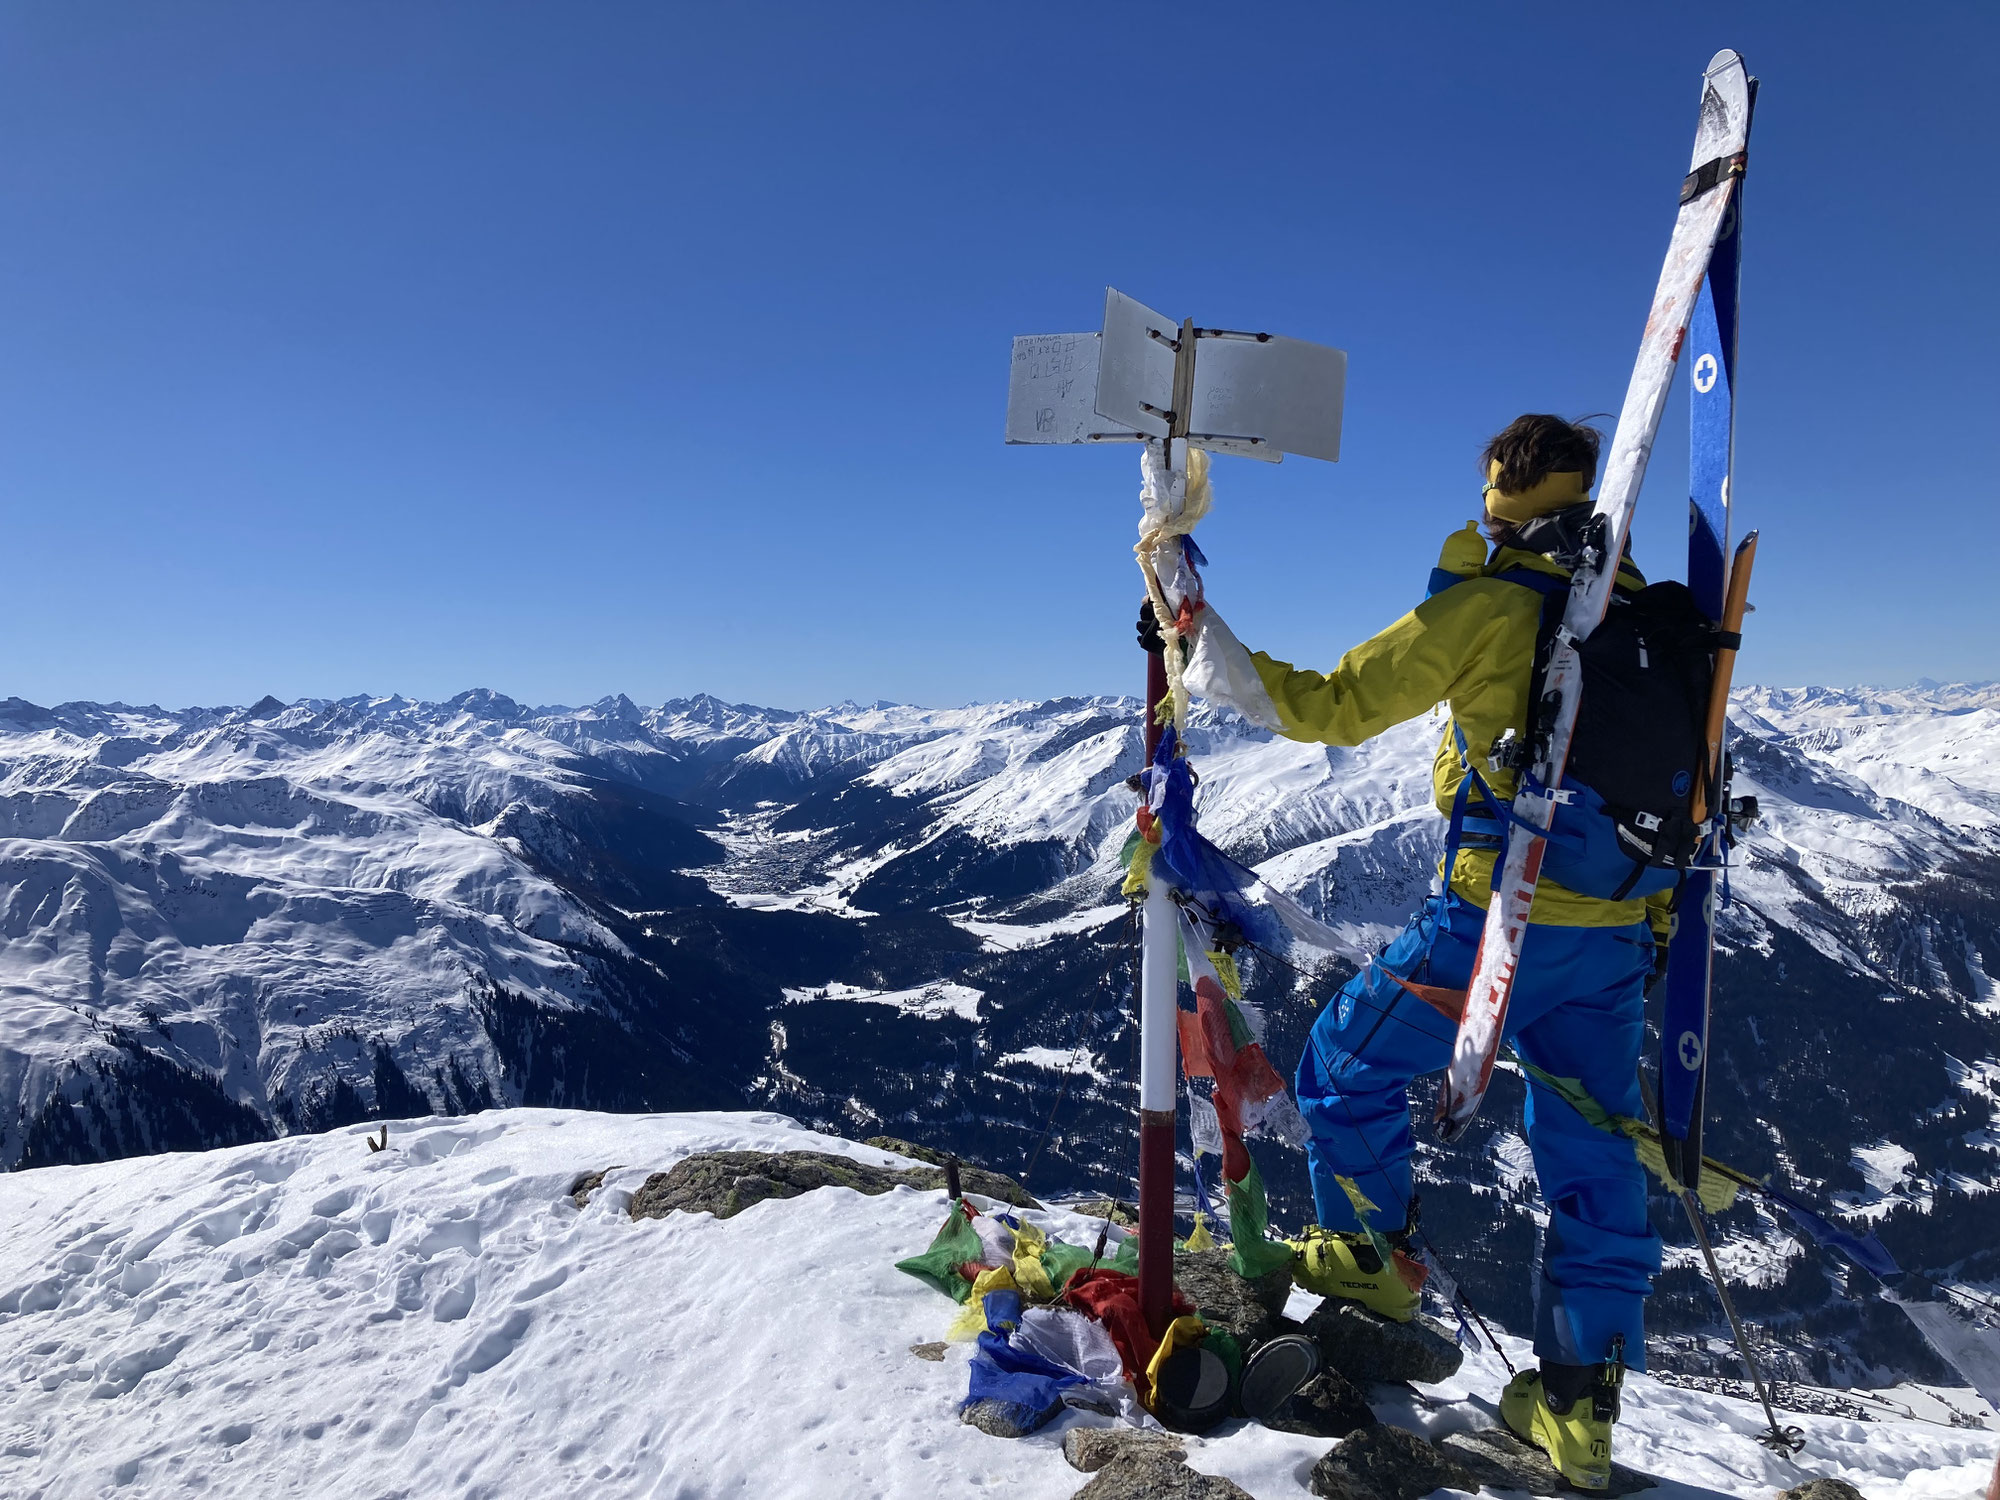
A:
[308, 1318]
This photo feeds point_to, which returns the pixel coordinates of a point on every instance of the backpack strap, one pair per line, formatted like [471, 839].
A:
[1555, 602]
[1477, 812]
[1489, 824]
[1624, 891]
[1545, 584]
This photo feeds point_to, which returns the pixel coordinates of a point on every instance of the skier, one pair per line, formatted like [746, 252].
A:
[1577, 1011]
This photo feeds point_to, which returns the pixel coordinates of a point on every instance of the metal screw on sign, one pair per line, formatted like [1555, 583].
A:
[1145, 378]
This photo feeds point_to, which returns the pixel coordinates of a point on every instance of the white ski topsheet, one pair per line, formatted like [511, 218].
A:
[1723, 131]
[306, 1319]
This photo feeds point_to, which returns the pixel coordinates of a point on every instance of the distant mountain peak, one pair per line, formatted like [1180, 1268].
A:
[617, 706]
[484, 703]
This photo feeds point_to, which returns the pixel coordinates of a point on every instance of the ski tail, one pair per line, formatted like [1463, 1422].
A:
[1720, 153]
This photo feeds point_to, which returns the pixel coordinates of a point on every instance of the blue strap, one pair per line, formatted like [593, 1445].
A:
[1454, 831]
[1503, 811]
[1545, 584]
[1503, 814]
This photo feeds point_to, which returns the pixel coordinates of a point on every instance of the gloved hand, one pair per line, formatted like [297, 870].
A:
[1149, 629]
[1659, 974]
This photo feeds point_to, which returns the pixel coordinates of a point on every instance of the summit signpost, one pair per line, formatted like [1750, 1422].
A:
[1253, 394]
[1145, 379]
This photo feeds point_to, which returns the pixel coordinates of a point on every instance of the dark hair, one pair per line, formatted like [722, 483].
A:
[1529, 449]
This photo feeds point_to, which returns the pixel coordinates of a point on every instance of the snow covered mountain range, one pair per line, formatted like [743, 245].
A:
[219, 925]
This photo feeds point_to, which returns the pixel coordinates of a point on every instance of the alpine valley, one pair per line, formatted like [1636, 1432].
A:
[223, 925]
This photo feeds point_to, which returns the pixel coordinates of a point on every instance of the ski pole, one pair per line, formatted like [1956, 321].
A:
[1788, 1441]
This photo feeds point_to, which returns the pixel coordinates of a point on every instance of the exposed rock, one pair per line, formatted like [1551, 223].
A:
[1248, 1309]
[910, 1149]
[1157, 1475]
[1501, 1461]
[1386, 1463]
[972, 1179]
[1329, 1405]
[1091, 1448]
[1364, 1346]
[584, 1186]
[724, 1183]
[1124, 1215]
[996, 1418]
[1822, 1489]
[932, 1352]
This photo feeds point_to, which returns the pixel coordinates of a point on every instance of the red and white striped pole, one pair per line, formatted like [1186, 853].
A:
[1159, 1053]
[1159, 964]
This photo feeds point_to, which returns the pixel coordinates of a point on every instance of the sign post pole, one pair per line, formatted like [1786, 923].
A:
[1258, 396]
[1159, 1087]
[1159, 967]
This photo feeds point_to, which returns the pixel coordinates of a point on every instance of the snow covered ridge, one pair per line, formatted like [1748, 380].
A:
[217, 925]
[308, 1318]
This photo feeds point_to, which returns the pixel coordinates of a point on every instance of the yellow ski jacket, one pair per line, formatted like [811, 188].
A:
[1470, 647]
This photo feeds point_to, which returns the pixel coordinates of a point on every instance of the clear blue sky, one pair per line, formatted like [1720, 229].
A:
[571, 349]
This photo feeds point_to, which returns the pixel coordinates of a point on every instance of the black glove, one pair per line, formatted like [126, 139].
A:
[1149, 629]
[1659, 974]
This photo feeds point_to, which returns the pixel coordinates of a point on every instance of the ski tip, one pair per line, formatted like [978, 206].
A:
[1724, 127]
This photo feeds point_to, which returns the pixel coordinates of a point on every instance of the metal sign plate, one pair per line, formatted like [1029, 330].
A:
[1052, 392]
[1255, 394]
[1266, 396]
[1135, 372]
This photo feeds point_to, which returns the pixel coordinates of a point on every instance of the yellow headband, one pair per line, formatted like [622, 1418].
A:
[1553, 493]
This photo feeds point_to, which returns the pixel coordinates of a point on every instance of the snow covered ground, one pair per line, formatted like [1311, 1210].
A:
[931, 1000]
[309, 1318]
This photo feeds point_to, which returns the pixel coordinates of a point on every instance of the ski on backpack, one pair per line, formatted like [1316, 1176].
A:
[1721, 138]
[1691, 954]
[1684, 1027]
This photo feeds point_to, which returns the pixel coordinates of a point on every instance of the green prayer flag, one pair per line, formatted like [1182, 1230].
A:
[955, 1244]
[1063, 1261]
[1251, 1254]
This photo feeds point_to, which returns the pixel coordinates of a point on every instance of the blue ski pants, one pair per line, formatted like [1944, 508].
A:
[1577, 1012]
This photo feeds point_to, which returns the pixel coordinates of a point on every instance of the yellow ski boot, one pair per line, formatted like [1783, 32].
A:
[1567, 1412]
[1332, 1263]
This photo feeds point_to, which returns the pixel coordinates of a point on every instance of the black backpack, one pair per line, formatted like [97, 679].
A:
[1624, 822]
